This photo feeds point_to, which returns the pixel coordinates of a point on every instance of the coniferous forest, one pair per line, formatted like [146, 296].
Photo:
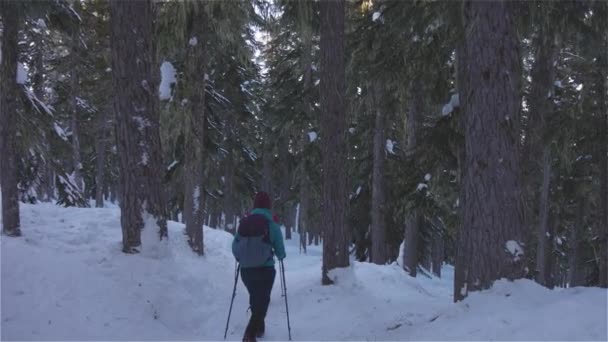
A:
[467, 137]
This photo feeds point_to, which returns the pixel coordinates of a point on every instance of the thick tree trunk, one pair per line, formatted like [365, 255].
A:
[194, 92]
[494, 225]
[135, 77]
[74, 120]
[100, 149]
[412, 221]
[378, 229]
[10, 11]
[333, 135]
[543, 250]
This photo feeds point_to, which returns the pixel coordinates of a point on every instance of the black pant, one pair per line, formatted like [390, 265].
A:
[259, 281]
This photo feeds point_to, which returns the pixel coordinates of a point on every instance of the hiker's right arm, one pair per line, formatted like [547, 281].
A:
[236, 236]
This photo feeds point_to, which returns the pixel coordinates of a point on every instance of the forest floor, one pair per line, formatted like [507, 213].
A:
[66, 279]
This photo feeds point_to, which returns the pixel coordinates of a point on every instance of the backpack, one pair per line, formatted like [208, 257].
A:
[253, 247]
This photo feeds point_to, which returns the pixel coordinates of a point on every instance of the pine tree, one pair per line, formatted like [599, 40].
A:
[196, 69]
[10, 12]
[135, 80]
[333, 130]
[490, 245]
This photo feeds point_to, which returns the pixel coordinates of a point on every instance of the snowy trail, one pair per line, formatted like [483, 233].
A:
[66, 279]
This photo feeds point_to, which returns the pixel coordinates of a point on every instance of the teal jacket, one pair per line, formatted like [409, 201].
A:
[275, 234]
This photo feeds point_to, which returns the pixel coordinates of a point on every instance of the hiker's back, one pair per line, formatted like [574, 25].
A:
[252, 246]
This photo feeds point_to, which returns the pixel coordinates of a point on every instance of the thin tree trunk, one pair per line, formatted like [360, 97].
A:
[8, 129]
[603, 160]
[333, 134]
[412, 221]
[195, 94]
[541, 104]
[437, 253]
[45, 188]
[543, 250]
[575, 277]
[135, 77]
[494, 224]
[285, 209]
[100, 147]
[303, 212]
[462, 234]
[378, 229]
[267, 167]
[74, 120]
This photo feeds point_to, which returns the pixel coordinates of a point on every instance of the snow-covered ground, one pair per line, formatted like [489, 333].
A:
[66, 279]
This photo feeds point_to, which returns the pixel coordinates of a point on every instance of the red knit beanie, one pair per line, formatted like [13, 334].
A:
[262, 200]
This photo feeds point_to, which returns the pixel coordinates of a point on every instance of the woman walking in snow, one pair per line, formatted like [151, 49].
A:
[257, 240]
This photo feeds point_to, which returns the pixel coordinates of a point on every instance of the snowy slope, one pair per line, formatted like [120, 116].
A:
[66, 279]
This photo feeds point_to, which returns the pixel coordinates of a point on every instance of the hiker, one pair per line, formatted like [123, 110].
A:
[255, 243]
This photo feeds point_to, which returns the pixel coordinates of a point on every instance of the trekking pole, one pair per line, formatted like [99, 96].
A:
[285, 291]
[282, 283]
[236, 278]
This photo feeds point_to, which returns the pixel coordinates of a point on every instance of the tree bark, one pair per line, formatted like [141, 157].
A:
[196, 65]
[412, 221]
[378, 229]
[8, 116]
[493, 214]
[135, 78]
[333, 135]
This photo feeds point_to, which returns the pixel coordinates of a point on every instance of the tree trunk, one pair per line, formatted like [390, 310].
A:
[437, 253]
[603, 160]
[461, 234]
[541, 107]
[543, 250]
[8, 116]
[412, 221]
[575, 276]
[196, 65]
[333, 135]
[100, 147]
[493, 223]
[284, 208]
[267, 167]
[135, 77]
[303, 212]
[45, 188]
[74, 120]
[378, 229]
